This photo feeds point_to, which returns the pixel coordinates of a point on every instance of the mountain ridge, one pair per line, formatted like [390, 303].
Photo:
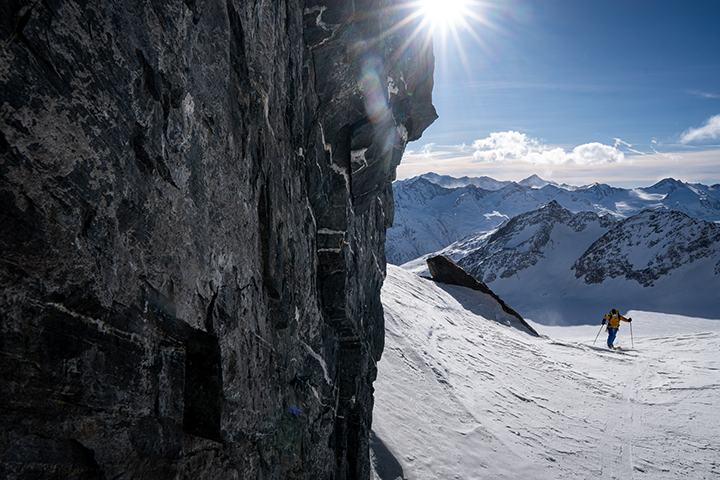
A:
[460, 207]
[555, 266]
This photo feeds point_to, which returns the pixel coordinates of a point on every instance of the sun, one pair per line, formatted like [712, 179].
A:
[444, 14]
[445, 25]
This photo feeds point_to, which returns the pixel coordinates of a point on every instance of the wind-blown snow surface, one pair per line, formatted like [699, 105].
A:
[462, 396]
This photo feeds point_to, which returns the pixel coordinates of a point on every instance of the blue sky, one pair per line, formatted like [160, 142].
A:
[622, 92]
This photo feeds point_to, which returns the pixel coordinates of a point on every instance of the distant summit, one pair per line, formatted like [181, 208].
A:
[433, 211]
[668, 185]
[446, 181]
[534, 181]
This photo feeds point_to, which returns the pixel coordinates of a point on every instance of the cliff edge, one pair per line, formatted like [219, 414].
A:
[193, 204]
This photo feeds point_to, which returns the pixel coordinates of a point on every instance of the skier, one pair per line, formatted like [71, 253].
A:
[613, 323]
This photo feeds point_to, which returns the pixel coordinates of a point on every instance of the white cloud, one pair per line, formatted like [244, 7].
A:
[709, 131]
[426, 150]
[621, 142]
[701, 94]
[462, 148]
[594, 153]
[515, 146]
[628, 146]
[693, 166]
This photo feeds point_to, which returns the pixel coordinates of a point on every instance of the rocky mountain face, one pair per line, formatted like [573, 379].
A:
[193, 204]
[555, 266]
[648, 246]
[525, 239]
[433, 211]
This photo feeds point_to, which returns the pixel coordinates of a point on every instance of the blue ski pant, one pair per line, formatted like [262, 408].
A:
[612, 333]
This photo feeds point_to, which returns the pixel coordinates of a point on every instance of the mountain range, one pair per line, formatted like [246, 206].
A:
[556, 266]
[434, 211]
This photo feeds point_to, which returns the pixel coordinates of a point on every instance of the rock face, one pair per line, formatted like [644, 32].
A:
[193, 204]
[649, 246]
[444, 270]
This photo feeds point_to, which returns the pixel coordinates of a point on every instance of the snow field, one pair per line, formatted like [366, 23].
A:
[462, 395]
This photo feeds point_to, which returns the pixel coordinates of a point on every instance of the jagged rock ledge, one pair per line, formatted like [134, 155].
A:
[444, 270]
[193, 204]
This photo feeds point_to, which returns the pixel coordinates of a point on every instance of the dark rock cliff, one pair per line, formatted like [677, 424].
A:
[193, 204]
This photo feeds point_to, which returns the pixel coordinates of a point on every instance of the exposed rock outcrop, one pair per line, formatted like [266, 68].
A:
[193, 204]
[524, 240]
[650, 246]
[444, 270]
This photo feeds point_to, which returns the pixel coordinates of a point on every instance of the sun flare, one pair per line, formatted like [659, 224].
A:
[445, 25]
[444, 14]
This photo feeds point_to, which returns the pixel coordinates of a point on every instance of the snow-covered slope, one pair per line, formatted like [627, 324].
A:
[462, 396]
[556, 267]
[433, 211]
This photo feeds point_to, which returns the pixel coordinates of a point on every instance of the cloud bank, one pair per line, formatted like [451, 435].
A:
[709, 131]
[515, 146]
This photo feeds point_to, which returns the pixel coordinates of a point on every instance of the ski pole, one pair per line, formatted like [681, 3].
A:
[596, 336]
[631, 336]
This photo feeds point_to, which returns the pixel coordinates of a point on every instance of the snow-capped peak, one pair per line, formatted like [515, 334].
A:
[433, 211]
[555, 265]
[533, 181]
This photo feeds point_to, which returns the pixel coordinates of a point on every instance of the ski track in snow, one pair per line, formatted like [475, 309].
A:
[462, 396]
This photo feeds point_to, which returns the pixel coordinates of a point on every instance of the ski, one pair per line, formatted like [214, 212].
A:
[618, 350]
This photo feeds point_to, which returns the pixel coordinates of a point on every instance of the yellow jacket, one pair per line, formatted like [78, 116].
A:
[613, 319]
